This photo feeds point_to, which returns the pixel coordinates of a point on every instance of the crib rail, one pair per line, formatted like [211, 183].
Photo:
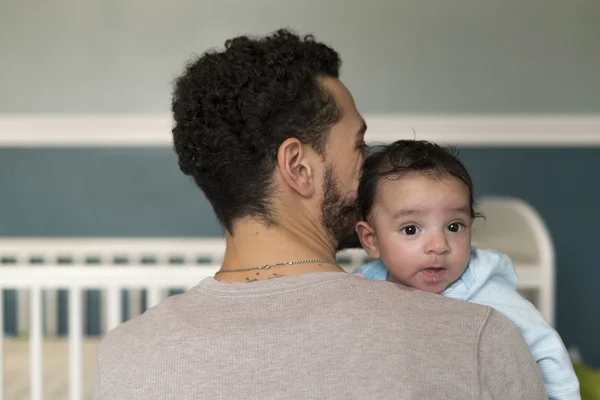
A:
[76, 278]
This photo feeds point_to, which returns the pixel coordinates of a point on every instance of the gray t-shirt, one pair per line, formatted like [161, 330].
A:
[315, 336]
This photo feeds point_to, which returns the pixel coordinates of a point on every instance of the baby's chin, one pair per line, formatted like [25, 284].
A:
[429, 287]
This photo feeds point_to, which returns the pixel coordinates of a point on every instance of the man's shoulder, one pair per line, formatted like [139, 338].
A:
[393, 293]
[145, 330]
[393, 306]
[380, 302]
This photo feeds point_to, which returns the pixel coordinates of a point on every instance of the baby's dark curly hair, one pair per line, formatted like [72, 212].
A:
[232, 110]
[394, 160]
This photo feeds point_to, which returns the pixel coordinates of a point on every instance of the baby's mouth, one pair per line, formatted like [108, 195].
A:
[434, 273]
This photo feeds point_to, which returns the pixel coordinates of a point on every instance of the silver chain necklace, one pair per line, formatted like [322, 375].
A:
[282, 264]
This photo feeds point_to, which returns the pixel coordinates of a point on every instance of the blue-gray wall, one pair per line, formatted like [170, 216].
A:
[400, 56]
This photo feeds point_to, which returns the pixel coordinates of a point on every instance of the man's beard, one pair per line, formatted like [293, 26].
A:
[339, 213]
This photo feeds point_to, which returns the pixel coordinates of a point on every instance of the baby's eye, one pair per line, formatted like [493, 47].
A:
[455, 227]
[410, 230]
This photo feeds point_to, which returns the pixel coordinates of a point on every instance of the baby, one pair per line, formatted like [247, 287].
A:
[416, 202]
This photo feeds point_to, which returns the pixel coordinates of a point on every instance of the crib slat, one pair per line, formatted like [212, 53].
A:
[35, 345]
[113, 308]
[75, 343]
[154, 295]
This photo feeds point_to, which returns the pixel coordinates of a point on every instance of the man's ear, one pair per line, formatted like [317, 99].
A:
[367, 238]
[294, 167]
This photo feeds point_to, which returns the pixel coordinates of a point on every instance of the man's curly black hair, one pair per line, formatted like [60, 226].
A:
[232, 110]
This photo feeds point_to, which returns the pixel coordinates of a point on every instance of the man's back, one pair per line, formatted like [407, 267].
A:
[328, 335]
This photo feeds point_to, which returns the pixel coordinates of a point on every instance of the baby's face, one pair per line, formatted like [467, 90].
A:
[422, 230]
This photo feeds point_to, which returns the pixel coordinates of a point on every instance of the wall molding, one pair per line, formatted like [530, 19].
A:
[464, 130]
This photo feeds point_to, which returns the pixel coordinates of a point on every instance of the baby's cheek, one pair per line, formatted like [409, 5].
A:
[398, 265]
[397, 274]
[465, 253]
[398, 253]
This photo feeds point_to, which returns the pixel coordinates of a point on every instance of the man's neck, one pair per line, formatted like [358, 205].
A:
[252, 245]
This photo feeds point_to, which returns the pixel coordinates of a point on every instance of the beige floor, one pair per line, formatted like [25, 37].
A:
[56, 368]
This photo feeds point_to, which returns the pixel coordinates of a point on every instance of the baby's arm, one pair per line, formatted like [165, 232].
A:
[544, 342]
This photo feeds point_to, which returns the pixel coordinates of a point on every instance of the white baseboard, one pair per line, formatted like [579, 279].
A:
[509, 130]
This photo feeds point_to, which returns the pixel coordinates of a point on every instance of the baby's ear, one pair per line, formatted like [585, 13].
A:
[368, 240]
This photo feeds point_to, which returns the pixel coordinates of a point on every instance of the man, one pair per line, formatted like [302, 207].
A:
[273, 139]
